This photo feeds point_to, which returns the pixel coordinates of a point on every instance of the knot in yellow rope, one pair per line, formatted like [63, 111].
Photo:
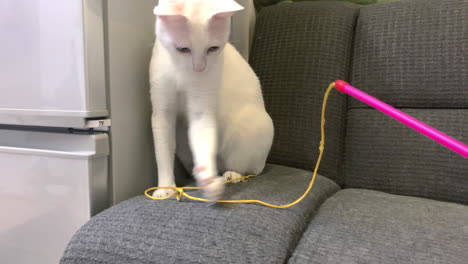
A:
[180, 192]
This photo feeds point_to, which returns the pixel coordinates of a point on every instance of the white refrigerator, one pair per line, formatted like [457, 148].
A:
[75, 131]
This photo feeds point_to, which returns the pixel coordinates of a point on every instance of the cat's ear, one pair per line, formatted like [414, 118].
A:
[170, 11]
[220, 18]
[171, 15]
[225, 8]
[169, 8]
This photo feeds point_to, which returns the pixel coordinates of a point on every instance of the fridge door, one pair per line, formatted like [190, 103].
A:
[52, 68]
[51, 184]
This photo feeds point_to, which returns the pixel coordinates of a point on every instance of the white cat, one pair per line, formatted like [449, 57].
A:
[202, 85]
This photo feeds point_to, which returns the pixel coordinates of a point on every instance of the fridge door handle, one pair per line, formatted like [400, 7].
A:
[98, 124]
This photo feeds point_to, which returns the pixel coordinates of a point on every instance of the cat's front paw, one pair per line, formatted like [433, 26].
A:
[232, 175]
[213, 187]
[163, 193]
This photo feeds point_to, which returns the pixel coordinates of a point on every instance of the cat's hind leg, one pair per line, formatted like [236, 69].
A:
[245, 141]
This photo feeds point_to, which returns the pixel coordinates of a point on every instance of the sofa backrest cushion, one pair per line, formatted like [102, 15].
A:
[412, 55]
[298, 49]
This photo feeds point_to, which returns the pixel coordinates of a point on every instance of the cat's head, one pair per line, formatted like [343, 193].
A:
[194, 31]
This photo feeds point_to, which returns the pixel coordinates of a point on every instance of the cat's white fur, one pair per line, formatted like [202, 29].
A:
[212, 98]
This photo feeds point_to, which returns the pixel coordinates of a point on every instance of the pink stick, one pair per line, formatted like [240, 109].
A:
[417, 125]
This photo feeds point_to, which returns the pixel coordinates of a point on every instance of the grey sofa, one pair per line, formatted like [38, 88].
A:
[386, 194]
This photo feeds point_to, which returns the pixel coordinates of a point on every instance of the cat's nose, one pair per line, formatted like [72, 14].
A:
[199, 68]
[199, 64]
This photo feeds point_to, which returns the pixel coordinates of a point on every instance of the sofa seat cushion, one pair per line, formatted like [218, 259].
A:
[141, 230]
[363, 226]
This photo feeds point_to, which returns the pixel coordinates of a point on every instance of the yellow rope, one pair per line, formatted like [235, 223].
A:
[180, 191]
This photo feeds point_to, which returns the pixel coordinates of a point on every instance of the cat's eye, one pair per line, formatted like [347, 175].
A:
[183, 49]
[213, 49]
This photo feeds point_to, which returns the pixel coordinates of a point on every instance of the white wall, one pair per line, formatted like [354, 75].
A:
[242, 27]
[129, 41]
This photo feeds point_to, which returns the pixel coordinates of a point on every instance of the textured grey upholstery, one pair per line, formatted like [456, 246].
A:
[410, 54]
[298, 50]
[413, 53]
[362, 226]
[385, 155]
[141, 230]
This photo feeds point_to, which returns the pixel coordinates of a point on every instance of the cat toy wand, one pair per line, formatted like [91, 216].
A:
[406, 119]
